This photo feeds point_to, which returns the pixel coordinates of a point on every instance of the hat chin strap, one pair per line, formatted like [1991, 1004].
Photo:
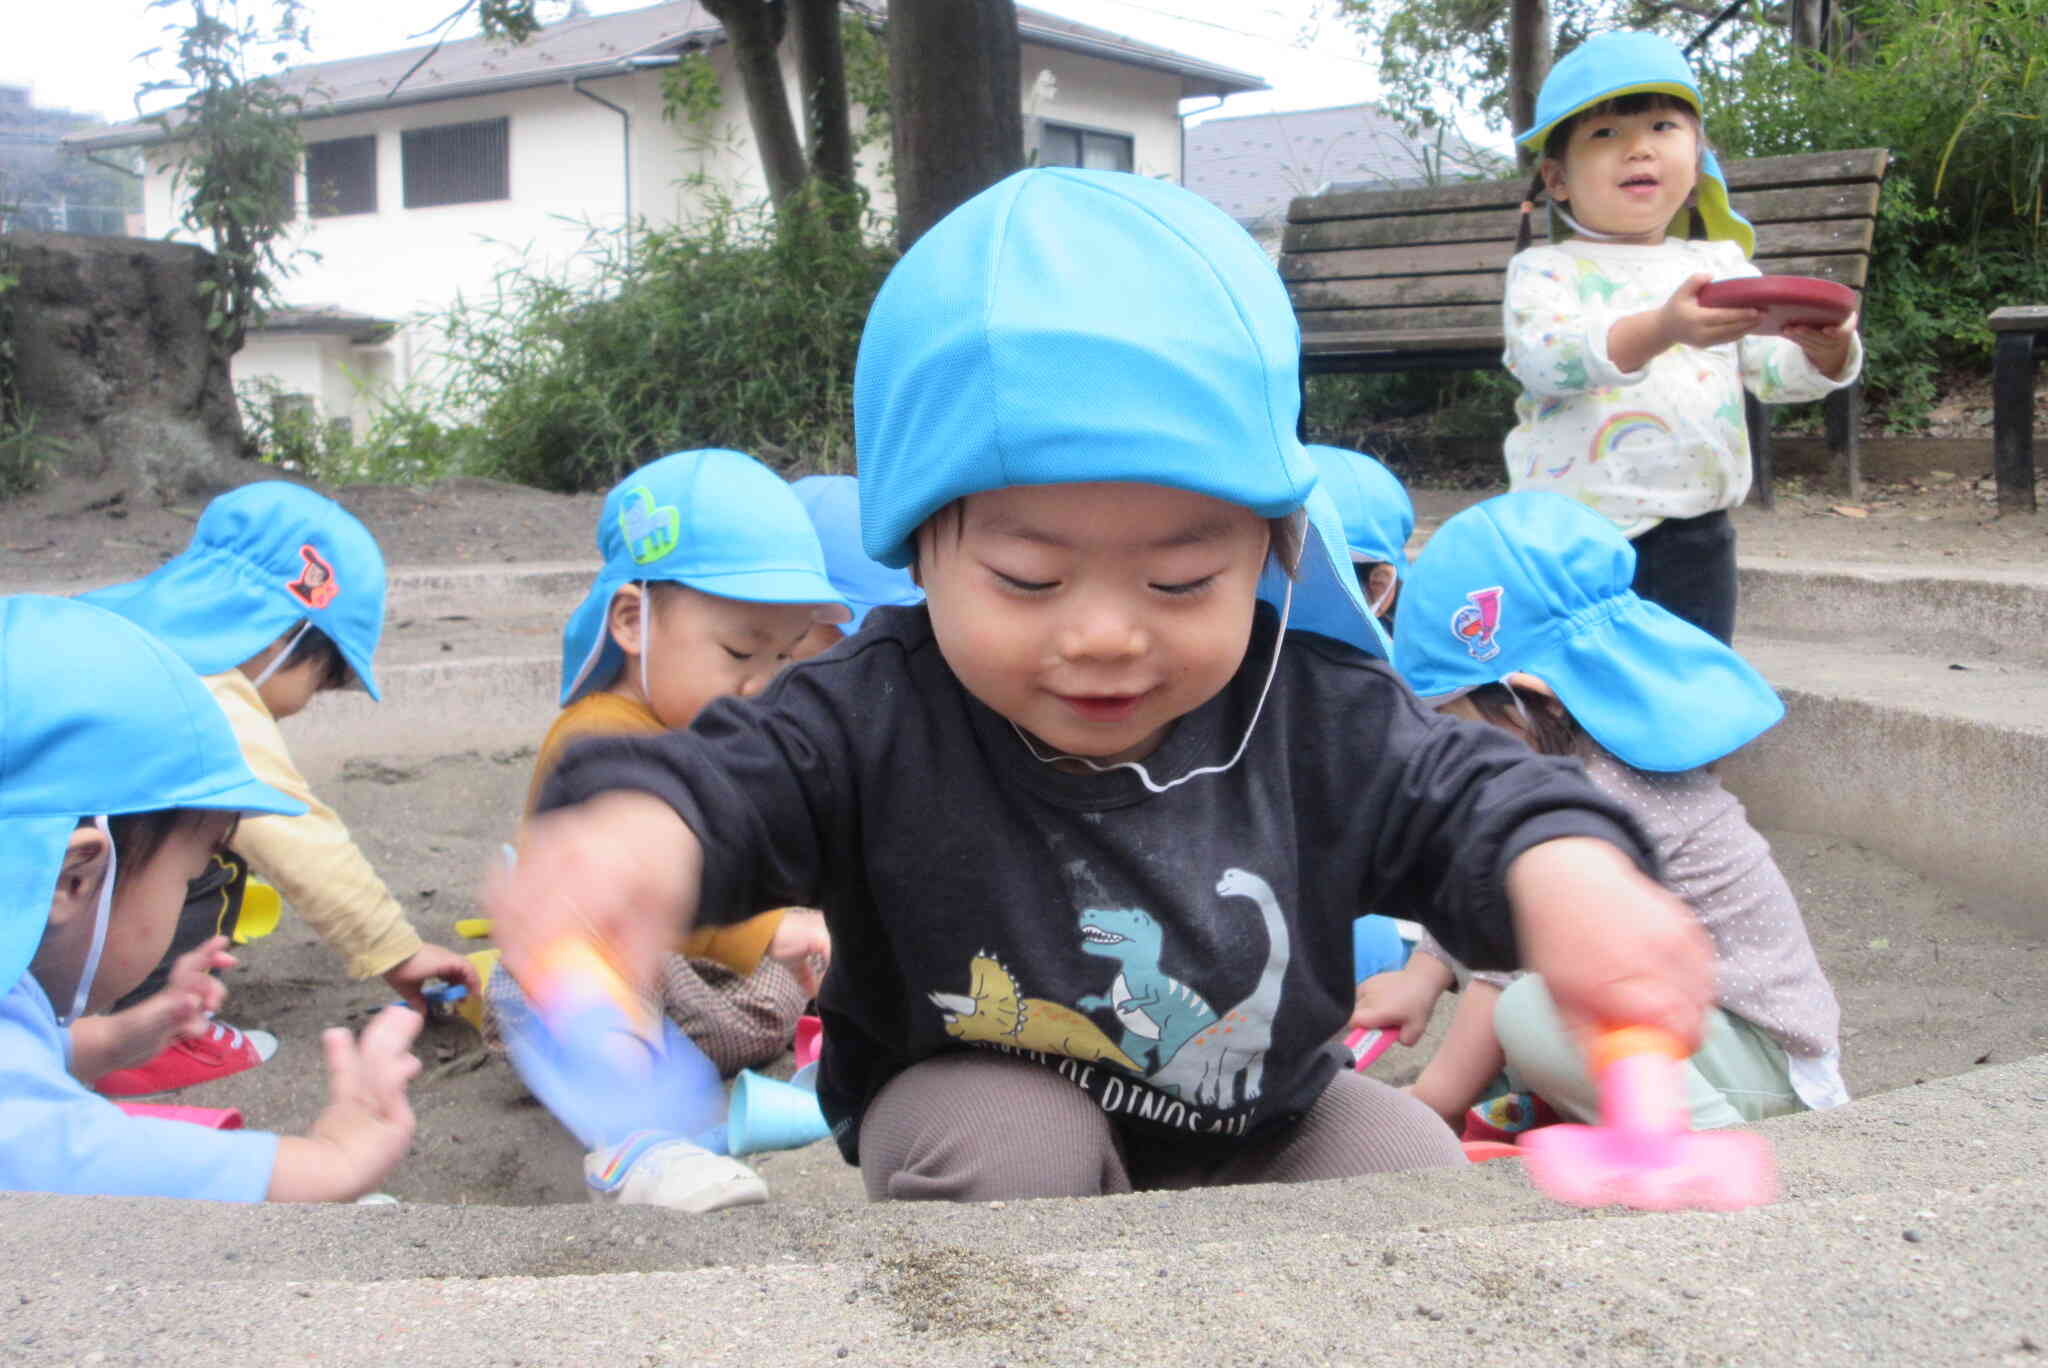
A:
[1593, 233]
[646, 629]
[101, 915]
[277, 661]
[1145, 775]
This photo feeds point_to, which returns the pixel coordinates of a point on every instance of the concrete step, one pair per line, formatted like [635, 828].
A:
[1996, 616]
[1939, 765]
[1909, 1231]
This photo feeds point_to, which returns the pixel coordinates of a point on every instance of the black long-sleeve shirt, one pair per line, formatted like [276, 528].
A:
[1185, 957]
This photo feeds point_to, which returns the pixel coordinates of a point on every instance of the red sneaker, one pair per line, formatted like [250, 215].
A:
[192, 1060]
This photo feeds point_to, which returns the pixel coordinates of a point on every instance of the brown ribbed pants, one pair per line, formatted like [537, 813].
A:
[975, 1126]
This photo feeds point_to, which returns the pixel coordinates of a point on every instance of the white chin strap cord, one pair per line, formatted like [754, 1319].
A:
[646, 629]
[1594, 234]
[1145, 775]
[99, 930]
[277, 661]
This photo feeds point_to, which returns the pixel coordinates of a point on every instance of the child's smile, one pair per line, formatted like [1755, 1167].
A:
[1093, 615]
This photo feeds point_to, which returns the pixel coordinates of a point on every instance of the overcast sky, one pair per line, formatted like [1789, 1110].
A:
[81, 54]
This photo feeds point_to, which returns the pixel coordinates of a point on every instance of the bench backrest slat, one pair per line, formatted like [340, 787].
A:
[1387, 270]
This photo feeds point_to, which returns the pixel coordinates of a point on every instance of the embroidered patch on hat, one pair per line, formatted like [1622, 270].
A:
[316, 585]
[651, 531]
[1477, 621]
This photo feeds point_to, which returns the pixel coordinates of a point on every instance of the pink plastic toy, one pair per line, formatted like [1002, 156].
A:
[810, 1037]
[1366, 1046]
[1643, 1154]
[213, 1118]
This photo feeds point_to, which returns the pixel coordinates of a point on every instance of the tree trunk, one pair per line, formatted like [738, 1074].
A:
[755, 29]
[1528, 62]
[955, 95]
[821, 67]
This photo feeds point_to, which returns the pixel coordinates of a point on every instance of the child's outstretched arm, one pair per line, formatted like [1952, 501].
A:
[621, 868]
[1613, 947]
[1635, 341]
[124, 1040]
[368, 1123]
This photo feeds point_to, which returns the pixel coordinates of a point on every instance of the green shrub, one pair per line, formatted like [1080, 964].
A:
[1959, 94]
[737, 330]
[408, 442]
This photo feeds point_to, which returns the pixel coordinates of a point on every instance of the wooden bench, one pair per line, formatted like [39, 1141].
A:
[1396, 280]
[2022, 334]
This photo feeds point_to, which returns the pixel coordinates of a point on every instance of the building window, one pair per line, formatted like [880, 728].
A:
[456, 163]
[341, 177]
[1065, 145]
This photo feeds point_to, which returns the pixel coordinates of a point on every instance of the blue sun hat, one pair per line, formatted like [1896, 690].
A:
[833, 501]
[97, 719]
[1535, 583]
[1071, 326]
[1630, 63]
[1378, 515]
[263, 559]
[718, 521]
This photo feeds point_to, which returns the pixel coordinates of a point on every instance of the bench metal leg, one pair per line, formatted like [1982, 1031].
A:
[2012, 423]
[1759, 419]
[1844, 410]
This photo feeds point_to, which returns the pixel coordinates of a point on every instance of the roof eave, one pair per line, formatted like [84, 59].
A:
[1196, 78]
[143, 135]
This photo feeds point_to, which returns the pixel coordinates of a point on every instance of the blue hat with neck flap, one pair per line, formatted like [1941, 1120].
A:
[1072, 326]
[97, 719]
[1535, 583]
[833, 501]
[1378, 515]
[718, 521]
[263, 559]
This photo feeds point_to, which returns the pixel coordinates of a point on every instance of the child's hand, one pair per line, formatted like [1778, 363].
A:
[1640, 338]
[621, 869]
[368, 1123]
[1690, 323]
[803, 946]
[129, 1039]
[1613, 947]
[430, 962]
[1826, 348]
[1403, 998]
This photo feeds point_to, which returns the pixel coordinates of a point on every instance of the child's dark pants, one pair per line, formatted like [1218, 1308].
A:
[1687, 565]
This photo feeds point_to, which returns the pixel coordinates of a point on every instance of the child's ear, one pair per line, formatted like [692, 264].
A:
[86, 857]
[1519, 680]
[1553, 179]
[622, 619]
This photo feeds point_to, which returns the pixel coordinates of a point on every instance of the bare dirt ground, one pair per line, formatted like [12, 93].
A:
[1932, 984]
[82, 534]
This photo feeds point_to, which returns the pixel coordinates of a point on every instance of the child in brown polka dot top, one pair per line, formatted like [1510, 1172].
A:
[1519, 613]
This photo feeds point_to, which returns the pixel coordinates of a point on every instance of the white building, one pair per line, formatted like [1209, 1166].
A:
[418, 188]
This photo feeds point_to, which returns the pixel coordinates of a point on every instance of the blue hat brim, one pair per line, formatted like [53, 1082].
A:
[1626, 669]
[31, 857]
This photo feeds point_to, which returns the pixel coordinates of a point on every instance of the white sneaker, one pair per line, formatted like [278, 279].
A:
[654, 1169]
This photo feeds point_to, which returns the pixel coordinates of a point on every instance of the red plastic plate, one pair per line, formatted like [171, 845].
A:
[1783, 299]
